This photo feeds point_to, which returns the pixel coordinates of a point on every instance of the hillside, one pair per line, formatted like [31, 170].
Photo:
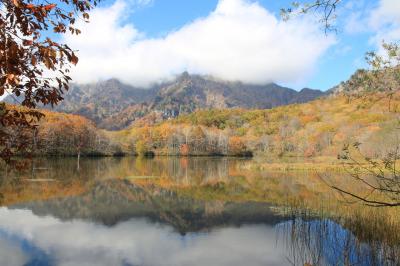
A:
[317, 128]
[114, 105]
[314, 129]
[363, 82]
[197, 116]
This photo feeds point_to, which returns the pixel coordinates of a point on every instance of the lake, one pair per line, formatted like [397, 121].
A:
[185, 211]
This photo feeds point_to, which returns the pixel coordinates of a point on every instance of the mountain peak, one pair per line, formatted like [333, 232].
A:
[307, 90]
[111, 81]
[184, 77]
[111, 104]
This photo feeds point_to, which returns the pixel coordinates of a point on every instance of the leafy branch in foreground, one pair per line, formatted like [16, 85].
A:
[27, 55]
[324, 9]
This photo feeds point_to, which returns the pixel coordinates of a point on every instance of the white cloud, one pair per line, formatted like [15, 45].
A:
[381, 20]
[387, 13]
[354, 14]
[239, 40]
[385, 21]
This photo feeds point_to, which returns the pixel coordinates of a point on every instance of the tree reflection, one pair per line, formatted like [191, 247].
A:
[311, 241]
[199, 194]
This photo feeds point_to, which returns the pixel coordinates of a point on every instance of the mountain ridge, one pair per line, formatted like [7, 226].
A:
[114, 105]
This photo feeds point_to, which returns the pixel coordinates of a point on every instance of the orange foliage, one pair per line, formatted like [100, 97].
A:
[184, 149]
[236, 145]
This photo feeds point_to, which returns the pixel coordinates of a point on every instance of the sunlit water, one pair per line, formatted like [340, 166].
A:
[110, 212]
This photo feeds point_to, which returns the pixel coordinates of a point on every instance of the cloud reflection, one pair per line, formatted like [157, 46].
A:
[134, 242]
[11, 254]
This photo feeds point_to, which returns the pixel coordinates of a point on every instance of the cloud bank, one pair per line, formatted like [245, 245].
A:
[239, 41]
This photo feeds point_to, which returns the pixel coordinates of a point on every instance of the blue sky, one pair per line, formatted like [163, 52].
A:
[162, 16]
[150, 33]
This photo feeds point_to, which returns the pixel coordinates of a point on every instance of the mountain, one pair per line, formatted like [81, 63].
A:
[99, 101]
[306, 95]
[114, 105]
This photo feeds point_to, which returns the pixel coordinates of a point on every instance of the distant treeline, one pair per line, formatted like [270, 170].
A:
[59, 134]
[318, 128]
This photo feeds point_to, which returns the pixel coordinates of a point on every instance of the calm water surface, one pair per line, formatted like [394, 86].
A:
[169, 211]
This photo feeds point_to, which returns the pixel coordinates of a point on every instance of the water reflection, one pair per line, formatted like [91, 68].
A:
[236, 177]
[324, 242]
[179, 211]
[179, 168]
[133, 242]
[28, 239]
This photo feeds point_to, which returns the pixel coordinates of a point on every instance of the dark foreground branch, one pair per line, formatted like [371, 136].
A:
[372, 203]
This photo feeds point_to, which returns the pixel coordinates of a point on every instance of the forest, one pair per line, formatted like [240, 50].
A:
[317, 128]
[60, 134]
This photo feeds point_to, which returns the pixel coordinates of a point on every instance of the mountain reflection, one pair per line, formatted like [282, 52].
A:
[179, 211]
[112, 201]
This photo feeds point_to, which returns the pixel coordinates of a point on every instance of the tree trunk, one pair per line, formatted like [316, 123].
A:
[79, 157]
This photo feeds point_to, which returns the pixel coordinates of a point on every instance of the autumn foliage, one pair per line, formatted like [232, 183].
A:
[33, 67]
[184, 149]
[59, 134]
[317, 128]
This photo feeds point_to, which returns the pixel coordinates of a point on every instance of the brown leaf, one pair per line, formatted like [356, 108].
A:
[27, 42]
[10, 76]
[74, 59]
